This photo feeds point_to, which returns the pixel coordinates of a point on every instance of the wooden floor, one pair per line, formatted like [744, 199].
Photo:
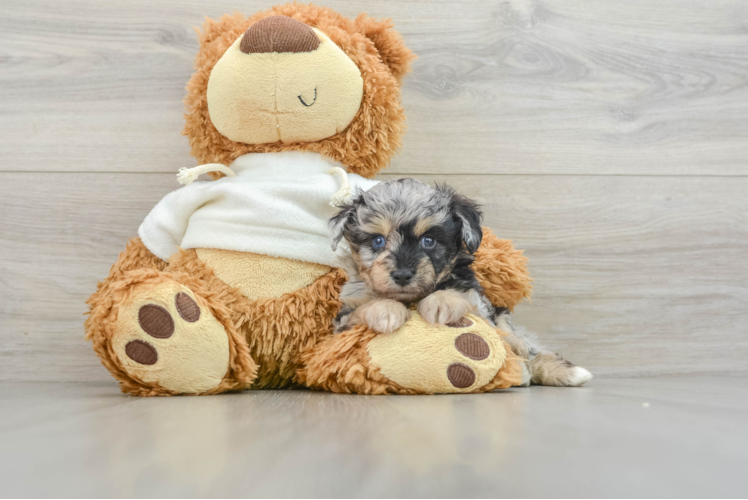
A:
[670, 436]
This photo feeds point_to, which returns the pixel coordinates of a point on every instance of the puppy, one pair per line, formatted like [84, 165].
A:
[412, 245]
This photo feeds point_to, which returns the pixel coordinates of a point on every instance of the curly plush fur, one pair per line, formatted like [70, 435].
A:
[375, 134]
[273, 332]
[502, 271]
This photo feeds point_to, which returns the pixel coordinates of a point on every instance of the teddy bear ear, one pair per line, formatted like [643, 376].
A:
[214, 28]
[389, 43]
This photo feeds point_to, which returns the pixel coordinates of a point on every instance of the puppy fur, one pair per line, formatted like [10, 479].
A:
[410, 244]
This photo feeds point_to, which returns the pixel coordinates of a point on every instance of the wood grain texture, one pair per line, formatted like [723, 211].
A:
[506, 86]
[633, 275]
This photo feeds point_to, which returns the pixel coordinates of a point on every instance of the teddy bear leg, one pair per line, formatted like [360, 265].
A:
[165, 333]
[419, 358]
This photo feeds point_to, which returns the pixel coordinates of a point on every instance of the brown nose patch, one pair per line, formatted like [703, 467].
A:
[460, 376]
[187, 308]
[472, 346]
[141, 352]
[156, 321]
[278, 34]
[461, 323]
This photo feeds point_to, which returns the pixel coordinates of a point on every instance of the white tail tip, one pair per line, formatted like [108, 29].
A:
[579, 376]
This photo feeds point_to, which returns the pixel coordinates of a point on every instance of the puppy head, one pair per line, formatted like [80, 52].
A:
[405, 236]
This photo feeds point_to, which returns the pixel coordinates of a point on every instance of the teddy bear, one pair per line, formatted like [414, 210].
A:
[231, 283]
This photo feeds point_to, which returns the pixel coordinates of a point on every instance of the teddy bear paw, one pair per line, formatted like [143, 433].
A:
[462, 356]
[165, 338]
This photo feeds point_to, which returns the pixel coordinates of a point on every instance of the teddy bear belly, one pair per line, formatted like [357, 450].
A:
[291, 304]
[258, 276]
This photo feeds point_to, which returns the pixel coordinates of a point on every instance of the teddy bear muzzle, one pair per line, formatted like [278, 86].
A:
[279, 34]
[283, 81]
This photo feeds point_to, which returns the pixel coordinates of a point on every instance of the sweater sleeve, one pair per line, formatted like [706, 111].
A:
[164, 227]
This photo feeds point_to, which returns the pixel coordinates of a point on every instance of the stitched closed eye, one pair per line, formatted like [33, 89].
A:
[315, 99]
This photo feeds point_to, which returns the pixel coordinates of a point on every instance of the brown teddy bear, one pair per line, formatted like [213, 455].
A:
[232, 283]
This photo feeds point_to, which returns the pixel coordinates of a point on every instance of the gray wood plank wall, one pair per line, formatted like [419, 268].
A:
[608, 139]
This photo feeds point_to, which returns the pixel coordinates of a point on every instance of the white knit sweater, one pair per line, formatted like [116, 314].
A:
[278, 204]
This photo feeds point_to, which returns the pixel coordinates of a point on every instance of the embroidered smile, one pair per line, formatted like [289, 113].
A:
[315, 99]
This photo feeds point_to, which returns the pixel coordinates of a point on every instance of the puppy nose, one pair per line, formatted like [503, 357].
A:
[278, 34]
[402, 276]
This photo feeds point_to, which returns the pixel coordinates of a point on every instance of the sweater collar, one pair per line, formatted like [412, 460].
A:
[283, 164]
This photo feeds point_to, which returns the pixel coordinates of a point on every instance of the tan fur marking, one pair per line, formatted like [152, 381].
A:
[377, 274]
[423, 225]
[378, 277]
[447, 269]
[378, 225]
[425, 272]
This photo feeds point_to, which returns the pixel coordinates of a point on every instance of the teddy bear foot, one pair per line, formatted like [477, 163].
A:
[167, 340]
[420, 358]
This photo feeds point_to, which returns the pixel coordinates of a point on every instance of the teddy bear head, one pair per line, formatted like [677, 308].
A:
[298, 77]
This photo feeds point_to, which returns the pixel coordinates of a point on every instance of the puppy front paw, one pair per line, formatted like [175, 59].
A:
[444, 307]
[383, 316]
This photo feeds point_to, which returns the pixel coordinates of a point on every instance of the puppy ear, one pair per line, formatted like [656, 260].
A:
[338, 222]
[468, 213]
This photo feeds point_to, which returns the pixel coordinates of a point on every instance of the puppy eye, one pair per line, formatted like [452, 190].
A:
[428, 242]
[378, 242]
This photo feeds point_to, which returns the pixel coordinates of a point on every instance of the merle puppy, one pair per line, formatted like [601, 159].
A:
[411, 244]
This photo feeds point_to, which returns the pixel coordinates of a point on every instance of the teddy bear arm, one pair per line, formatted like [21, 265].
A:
[502, 271]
